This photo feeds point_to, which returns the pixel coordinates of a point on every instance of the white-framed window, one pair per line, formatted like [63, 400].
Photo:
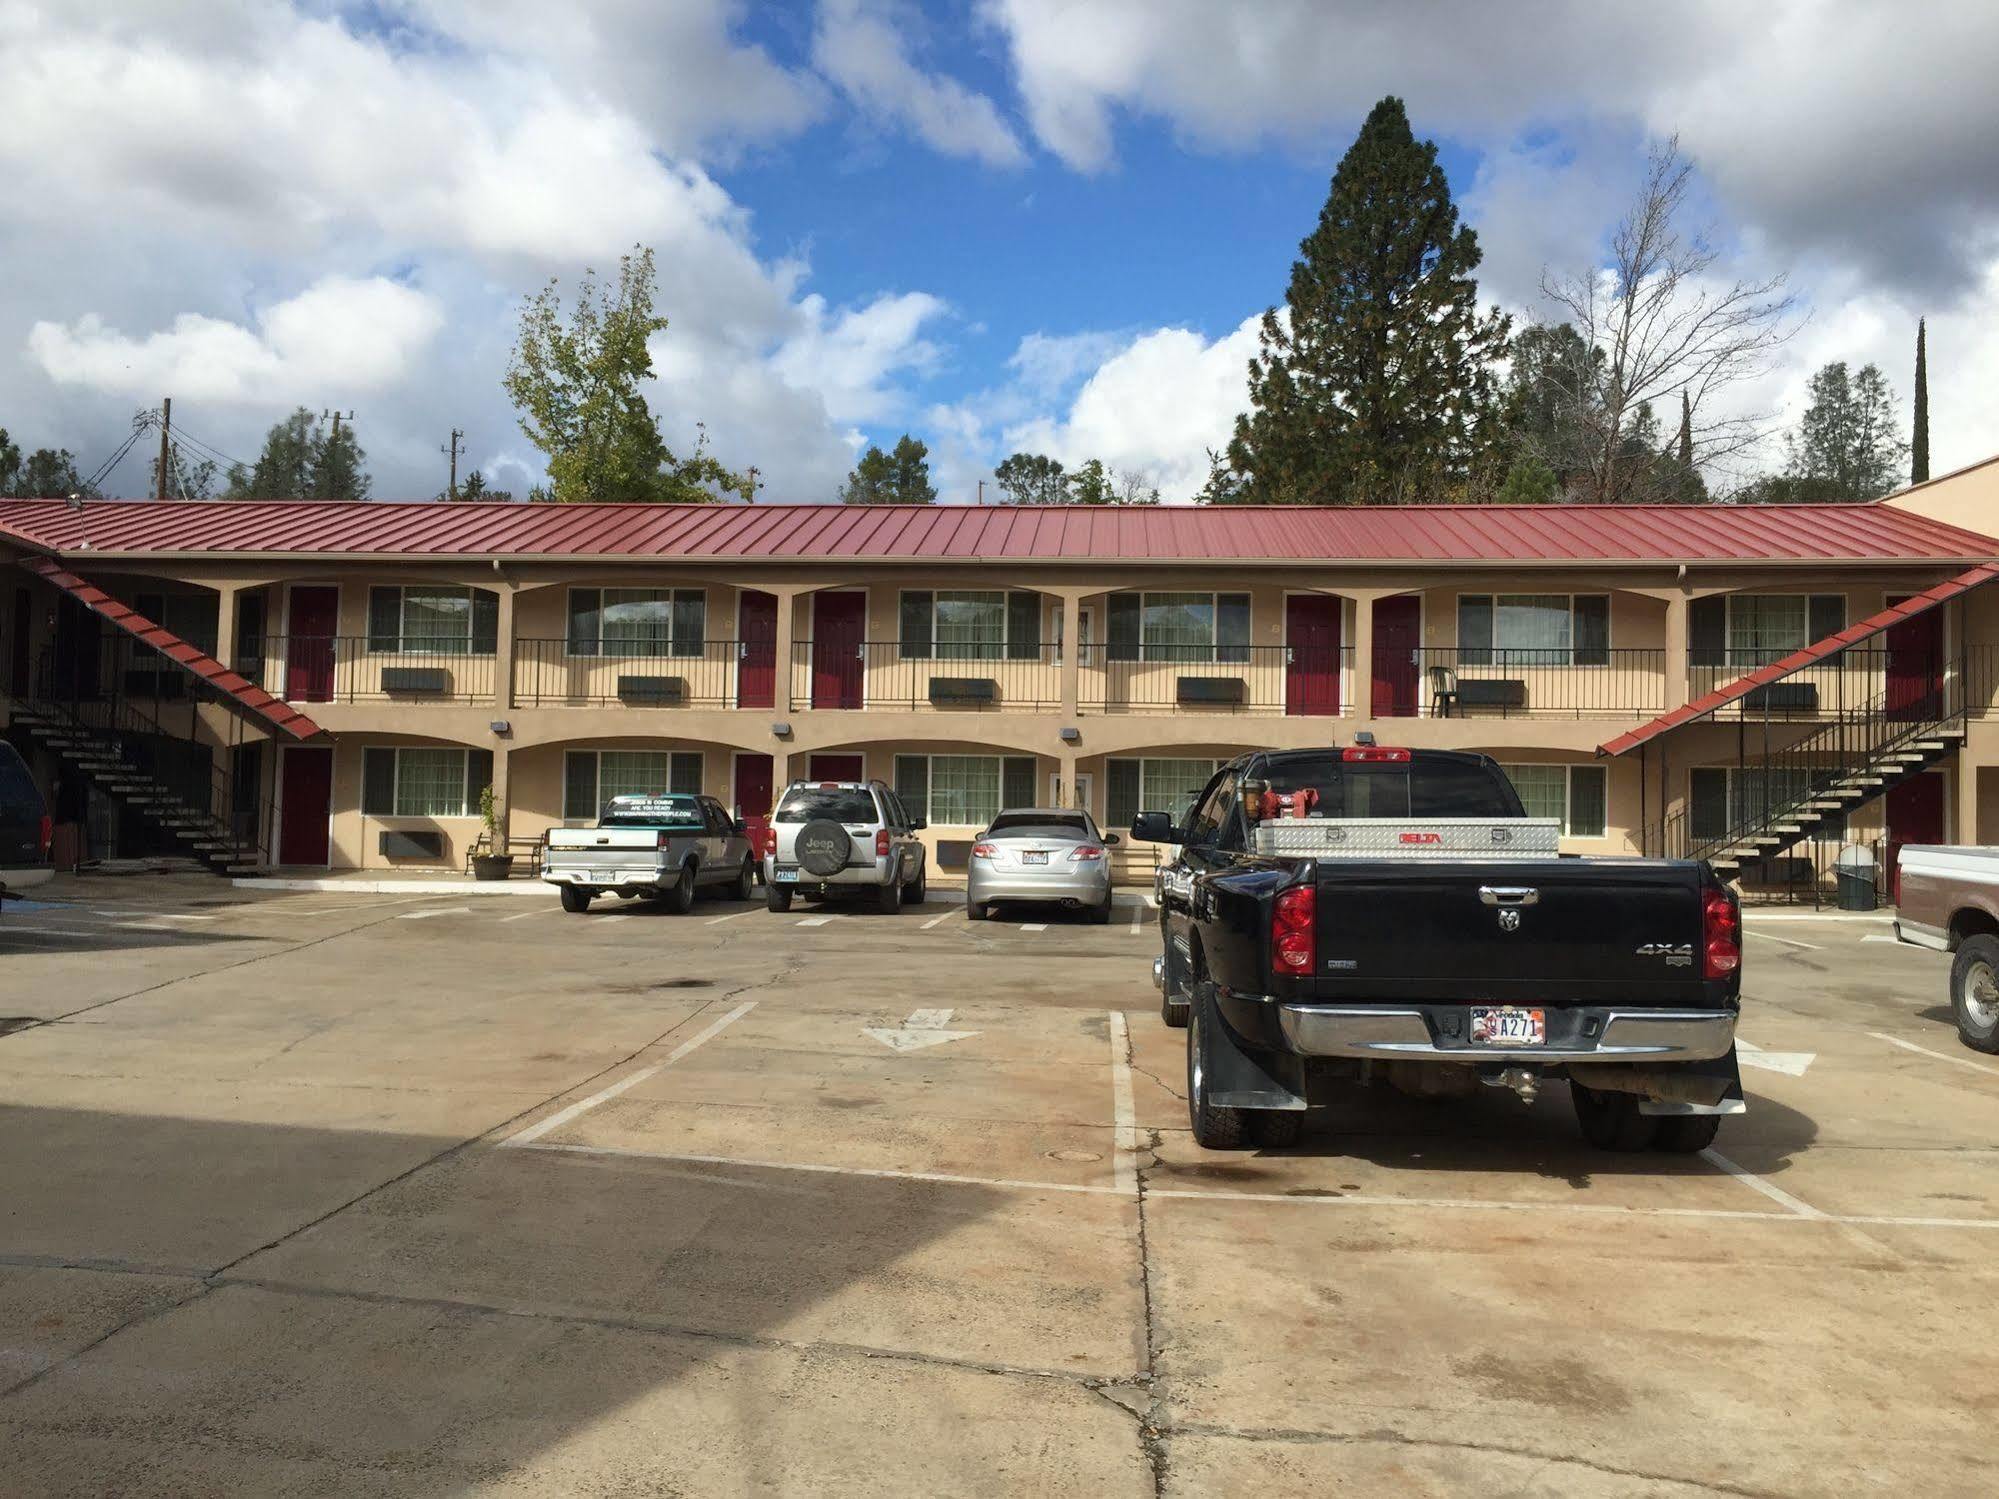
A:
[963, 791]
[1722, 799]
[590, 778]
[1574, 795]
[423, 782]
[433, 619]
[1174, 626]
[1152, 784]
[628, 622]
[1534, 629]
[969, 624]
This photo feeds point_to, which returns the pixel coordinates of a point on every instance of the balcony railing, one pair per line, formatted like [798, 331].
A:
[1301, 681]
[1839, 684]
[1510, 682]
[714, 674]
[365, 669]
[847, 674]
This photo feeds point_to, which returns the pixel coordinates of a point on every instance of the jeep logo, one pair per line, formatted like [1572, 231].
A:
[820, 845]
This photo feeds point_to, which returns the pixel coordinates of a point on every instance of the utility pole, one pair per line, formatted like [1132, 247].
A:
[982, 491]
[756, 483]
[166, 426]
[451, 491]
[333, 447]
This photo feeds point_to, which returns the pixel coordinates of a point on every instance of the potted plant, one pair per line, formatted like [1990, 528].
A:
[495, 863]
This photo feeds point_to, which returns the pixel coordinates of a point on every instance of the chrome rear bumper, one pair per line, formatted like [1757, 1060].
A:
[1600, 1034]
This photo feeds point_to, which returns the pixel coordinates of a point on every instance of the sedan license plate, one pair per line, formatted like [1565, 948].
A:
[1034, 856]
[1509, 1026]
[784, 876]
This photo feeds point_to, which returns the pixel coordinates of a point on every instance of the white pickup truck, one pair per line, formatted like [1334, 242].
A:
[660, 847]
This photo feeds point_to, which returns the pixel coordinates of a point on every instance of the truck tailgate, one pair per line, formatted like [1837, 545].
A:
[1547, 931]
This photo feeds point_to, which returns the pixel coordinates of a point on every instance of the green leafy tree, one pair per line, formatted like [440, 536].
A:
[46, 473]
[283, 469]
[474, 487]
[338, 469]
[1528, 481]
[1378, 385]
[1847, 445]
[188, 478]
[10, 464]
[1224, 486]
[1032, 479]
[576, 385]
[1919, 439]
[898, 477]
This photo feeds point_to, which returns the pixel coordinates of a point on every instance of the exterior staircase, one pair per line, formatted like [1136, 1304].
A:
[102, 756]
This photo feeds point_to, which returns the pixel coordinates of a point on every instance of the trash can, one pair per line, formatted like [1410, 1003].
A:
[1854, 871]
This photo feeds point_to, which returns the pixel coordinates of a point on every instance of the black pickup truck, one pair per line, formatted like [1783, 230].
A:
[1369, 914]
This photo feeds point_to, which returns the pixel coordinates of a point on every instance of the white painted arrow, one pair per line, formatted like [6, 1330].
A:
[922, 1028]
[1790, 1063]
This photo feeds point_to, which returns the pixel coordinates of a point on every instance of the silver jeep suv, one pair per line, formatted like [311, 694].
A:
[830, 838]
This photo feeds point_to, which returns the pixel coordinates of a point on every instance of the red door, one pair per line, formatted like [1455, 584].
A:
[1398, 634]
[1312, 655]
[839, 625]
[756, 657]
[305, 798]
[1915, 667]
[312, 622]
[756, 777]
[834, 768]
[1915, 815]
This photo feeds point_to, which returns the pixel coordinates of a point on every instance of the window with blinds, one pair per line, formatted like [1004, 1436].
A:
[590, 778]
[963, 790]
[631, 622]
[427, 619]
[424, 782]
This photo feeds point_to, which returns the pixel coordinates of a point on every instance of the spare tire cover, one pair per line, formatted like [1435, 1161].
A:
[822, 847]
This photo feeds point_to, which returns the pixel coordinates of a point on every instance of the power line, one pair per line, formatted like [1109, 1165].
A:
[140, 425]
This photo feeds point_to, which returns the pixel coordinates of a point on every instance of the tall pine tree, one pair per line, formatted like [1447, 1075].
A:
[1919, 440]
[1377, 387]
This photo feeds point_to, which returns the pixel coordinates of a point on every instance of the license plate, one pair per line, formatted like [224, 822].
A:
[1034, 856]
[784, 876]
[1509, 1026]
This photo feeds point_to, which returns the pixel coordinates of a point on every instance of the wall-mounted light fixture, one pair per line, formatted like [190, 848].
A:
[1071, 734]
[501, 726]
[781, 729]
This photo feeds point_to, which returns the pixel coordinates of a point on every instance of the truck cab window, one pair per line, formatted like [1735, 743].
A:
[1214, 815]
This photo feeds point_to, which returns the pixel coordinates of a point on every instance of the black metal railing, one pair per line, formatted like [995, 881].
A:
[1827, 688]
[851, 674]
[366, 669]
[712, 674]
[1300, 681]
[136, 703]
[1515, 682]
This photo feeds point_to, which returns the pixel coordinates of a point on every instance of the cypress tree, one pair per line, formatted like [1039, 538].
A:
[1919, 441]
[1686, 432]
[1378, 387]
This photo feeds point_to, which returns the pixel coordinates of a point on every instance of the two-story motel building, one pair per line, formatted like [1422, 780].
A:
[337, 682]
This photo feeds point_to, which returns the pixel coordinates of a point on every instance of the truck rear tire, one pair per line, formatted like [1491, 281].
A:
[1611, 1121]
[1173, 1011]
[777, 898]
[1686, 1134]
[1974, 992]
[744, 886]
[1215, 1128]
[1276, 1129]
[574, 900]
[679, 896]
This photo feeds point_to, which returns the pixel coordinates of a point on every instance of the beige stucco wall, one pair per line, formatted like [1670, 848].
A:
[1967, 497]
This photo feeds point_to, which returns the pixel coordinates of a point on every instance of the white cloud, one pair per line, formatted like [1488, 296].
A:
[339, 333]
[850, 356]
[860, 46]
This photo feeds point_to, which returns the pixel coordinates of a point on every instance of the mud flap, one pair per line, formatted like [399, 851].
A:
[1238, 1080]
[1710, 1087]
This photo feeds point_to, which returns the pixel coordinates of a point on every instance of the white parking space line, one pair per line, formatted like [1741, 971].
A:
[938, 920]
[1137, 917]
[1340, 1200]
[815, 921]
[1750, 1179]
[718, 920]
[154, 915]
[1787, 941]
[1790, 1063]
[1756, 915]
[1034, 926]
[442, 911]
[1124, 1118]
[524, 915]
[1885, 937]
[1937, 1055]
[583, 1106]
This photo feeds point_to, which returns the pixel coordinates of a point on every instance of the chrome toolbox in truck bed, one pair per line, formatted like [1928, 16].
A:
[1408, 838]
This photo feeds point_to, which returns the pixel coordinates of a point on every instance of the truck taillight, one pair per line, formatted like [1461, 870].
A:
[1373, 754]
[881, 843]
[660, 841]
[1721, 934]
[1293, 947]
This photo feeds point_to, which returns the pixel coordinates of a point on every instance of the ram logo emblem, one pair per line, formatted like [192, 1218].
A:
[1509, 919]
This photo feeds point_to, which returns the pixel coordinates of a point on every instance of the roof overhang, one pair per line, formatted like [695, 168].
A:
[1818, 650]
[235, 689]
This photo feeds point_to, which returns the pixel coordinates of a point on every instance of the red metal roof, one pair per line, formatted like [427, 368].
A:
[258, 703]
[1818, 650]
[1447, 534]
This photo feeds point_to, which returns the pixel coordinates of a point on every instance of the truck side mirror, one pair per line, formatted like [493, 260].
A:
[1154, 827]
[739, 825]
[917, 824]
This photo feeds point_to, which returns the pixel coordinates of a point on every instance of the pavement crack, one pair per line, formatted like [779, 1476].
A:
[195, 1292]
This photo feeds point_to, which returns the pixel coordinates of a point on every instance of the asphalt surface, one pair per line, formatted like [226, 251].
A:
[332, 1194]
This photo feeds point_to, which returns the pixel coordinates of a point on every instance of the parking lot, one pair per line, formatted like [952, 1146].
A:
[310, 1192]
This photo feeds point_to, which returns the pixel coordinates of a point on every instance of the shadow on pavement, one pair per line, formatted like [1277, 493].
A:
[489, 1316]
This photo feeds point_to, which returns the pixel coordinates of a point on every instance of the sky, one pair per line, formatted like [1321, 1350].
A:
[1000, 225]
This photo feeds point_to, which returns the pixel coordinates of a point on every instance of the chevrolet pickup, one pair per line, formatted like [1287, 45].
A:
[660, 847]
[1388, 915]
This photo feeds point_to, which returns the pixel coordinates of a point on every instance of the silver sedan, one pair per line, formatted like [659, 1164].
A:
[1041, 854]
